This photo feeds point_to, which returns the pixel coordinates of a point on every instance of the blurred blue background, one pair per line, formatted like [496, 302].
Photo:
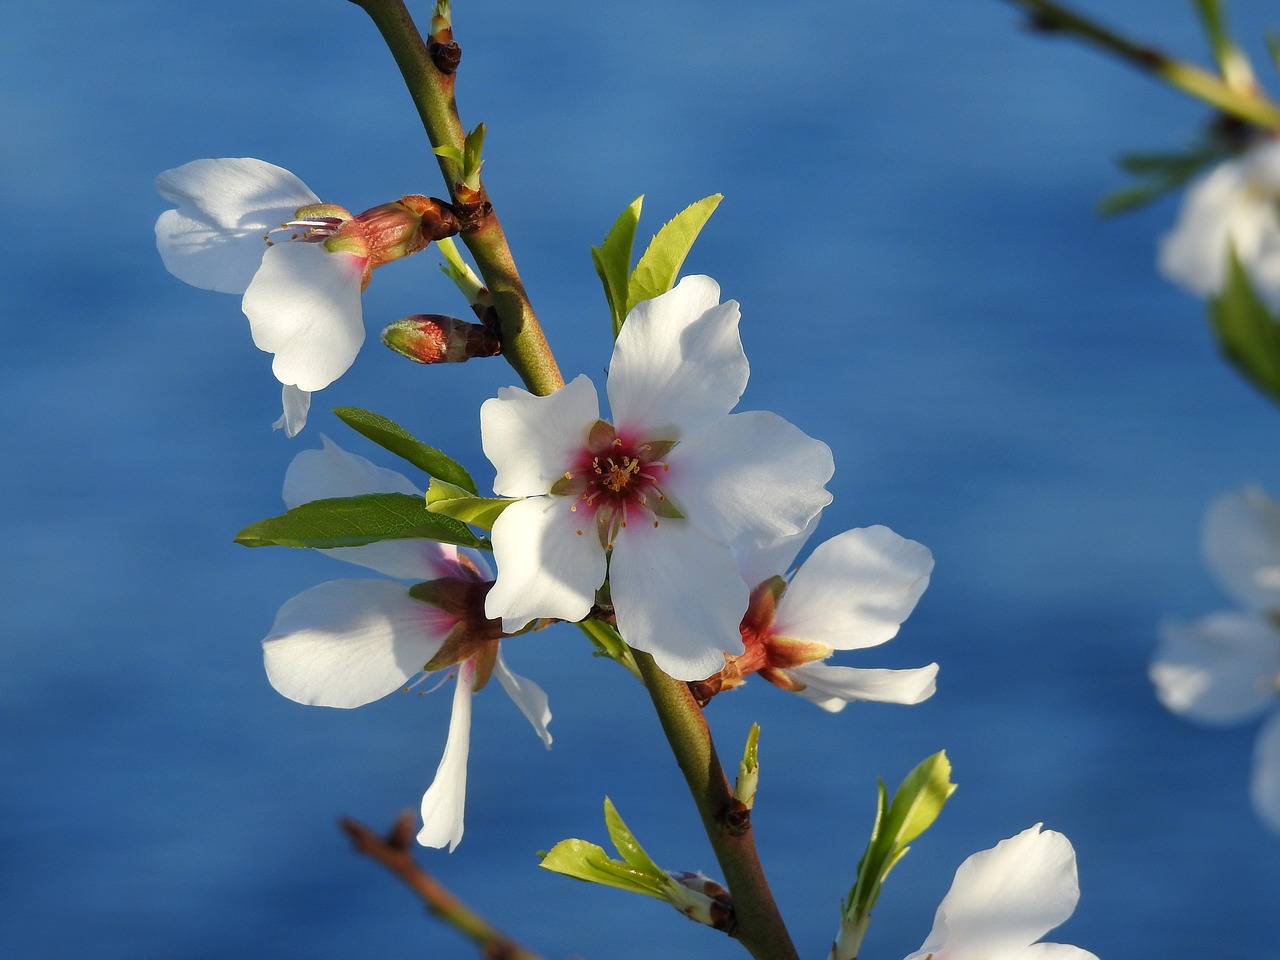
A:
[908, 225]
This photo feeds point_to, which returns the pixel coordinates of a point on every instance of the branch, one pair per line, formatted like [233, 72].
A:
[1187, 77]
[395, 852]
[759, 925]
[523, 342]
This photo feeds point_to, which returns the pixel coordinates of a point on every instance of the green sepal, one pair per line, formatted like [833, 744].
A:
[1160, 173]
[659, 265]
[447, 500]
[1248, 334]
[391, 436]
[612, 260]
[356, 521]
[916, 805]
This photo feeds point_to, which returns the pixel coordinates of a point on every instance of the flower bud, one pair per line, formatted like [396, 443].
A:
[433, 338]
[393, 230]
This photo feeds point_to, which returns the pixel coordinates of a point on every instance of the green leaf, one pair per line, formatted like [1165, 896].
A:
[472, 147]
[1161, 173]
[449, 153]
[586, 861]
[916, 805]
[355, 521]
[627, 845]
[659, 266]
[449, 500]
[1248, 334]
[391, 436]
[613, 261]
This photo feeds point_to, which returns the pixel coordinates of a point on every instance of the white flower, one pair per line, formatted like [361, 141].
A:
[1234, 205]
[302, 301]
[1003, 900]
[653, 498]
[1225, 668]
[853, 592]
[346, 643]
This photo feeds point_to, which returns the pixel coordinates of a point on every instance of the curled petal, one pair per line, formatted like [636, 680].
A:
[528, 696]
[444, 803]
[531, 440]
[303, 306]
[296, 403]
[1242, 547]
[831, 687]
[347, 642]
[549, 562]
[677, 596]
[855, 589]
[758, 563]
[1265, 786]
[214, 240]
[678, 365]
[1004, 899]
[752, 479]
[1219, 670]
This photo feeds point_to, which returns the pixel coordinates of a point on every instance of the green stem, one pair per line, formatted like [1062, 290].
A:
[523, 342]
[1187, 77]
[759, 924]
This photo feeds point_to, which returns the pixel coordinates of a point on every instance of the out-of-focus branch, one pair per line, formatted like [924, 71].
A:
[1252, 107]
[395, 852]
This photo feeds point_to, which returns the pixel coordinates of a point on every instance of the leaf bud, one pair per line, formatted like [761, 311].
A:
[434, 338]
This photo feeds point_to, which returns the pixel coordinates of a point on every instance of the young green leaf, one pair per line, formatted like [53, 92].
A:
[391, 436]
[1248, 334]
[916, 804]
[355, 521]
[744, 788]
[448, 500]
[659, 265]
[612, 260]
[626, 844]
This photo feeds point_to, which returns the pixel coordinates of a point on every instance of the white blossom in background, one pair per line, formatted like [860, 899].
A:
[1225, 668]
[854, 591]
[1233, 206]
[346, 643]
[653, 498]
[1003, 900]
[248, 227]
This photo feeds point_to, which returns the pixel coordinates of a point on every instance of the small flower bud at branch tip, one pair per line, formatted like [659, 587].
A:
[433, 338]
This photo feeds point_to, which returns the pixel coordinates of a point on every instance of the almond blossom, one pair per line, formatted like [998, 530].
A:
[853, 592]
[1003, 900]
[346, 643]
[653, 499]
[248, 227]
[1225, 668]
[1232, 207]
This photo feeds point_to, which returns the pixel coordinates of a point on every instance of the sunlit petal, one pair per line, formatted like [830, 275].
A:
[532, 440]
[444, 803]
[833, 687]
[347, 642]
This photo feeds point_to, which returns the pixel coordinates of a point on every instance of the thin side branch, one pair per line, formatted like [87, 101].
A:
[395, 852]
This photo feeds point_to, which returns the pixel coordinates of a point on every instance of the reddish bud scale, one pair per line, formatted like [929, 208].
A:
[433, 338]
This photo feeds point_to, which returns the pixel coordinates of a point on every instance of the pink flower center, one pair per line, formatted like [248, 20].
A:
[616, 481]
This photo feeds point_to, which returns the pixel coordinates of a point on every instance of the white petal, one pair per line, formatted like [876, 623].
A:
[1194, 253]
[854, 590]
[444, 803]
[304, 306]
[528, 696]
[832, 687]
[678, 364]
[296, 405]
[550, 563]
[754, 478]
[347, 642]
[1265, 785]
[677, 596]
[758, 562]
[1219, 670]
[1055, 951]
[334, 472]
[1004, 899]
[214, 240]
[1242, 547]
[532, 441]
